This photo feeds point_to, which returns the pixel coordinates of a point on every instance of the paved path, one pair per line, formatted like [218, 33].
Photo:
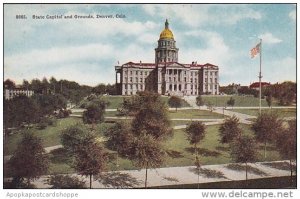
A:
[175, 176]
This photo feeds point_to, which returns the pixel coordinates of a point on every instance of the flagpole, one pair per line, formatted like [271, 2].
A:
[260, 76]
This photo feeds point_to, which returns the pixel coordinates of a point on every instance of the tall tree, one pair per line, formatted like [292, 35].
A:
[199, 101]
[229, 130]
[175, 102]
[90, 160]
[286, 142]
[195, 133]
[29, 160]
[266, 127]
[147, 153]
[244, 150]
[149, 127]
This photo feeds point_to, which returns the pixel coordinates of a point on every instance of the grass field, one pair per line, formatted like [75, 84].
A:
[194, 114]
[280, 112]
[239, 100]
[50, 135]
[116, 101]
[180, 152]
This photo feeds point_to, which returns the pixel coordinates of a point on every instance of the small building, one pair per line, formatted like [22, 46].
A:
[255, 85]
[11, 93]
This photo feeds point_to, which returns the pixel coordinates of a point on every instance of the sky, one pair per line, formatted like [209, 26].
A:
[86, 50]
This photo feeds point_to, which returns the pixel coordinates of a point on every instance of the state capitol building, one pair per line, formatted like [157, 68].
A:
[167, 76]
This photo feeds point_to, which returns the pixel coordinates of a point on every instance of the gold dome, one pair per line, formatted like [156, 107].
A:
[166, 33]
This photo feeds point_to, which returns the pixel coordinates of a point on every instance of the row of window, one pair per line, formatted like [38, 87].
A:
[136, 79]
[211, 73]
[136, 86]
[136, 72]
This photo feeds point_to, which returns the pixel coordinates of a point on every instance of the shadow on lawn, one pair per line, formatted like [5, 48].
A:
[203, 151]
[251, 169]
[118, 180]
[174, 154]
[208, 173]
[60, 155]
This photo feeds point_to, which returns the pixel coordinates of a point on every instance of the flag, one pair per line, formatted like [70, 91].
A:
[254, 51]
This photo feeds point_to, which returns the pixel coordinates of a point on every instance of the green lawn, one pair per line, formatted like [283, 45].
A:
[49, 135]
[116, 101]
[194, 114]
[280, 112]
[239, 100]
[180, 152]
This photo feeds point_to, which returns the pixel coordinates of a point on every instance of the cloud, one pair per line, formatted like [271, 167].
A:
[268, 38]
[216, 51]
[292, 15]
[199, 15]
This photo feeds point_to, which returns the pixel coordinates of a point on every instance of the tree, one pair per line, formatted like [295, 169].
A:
[147, 153]
[269, 100]
[21, 109]
[175, 101]
[244, 150]
[9, 84]
[74, 137]
[286, 142]
[199, 101]
[120, 138]
[65, 182]
[149, 127]
[195, 133]
[90, 160]
[26, 84]
[99, 89]
[229, 130]
[266, 127]
[30, 159]
[231, 102]
[152, 117]
[94, 112]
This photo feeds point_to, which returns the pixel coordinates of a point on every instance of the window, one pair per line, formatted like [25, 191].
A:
[146, 73]
[191, 80]
[175, 87]
[126, 79]
[170, 87]
[174, 79]
[206, 73]
[136, 79]
[210, 80]
[205, 80]
[216, 73]
[131, 72]
[211, 73]
[179, 87]
[130, 86]
[216, 87]
[192, 87]
[136, 72]
[141, 79]
[130, 79]
[141, 73]
[216, 80]
[185, 79]
[195, 80]
[141, 86]
[185, 86]
[184, 72]
[175, 72]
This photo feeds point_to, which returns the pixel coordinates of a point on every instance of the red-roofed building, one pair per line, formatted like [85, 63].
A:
[167, 76]
[255, 85]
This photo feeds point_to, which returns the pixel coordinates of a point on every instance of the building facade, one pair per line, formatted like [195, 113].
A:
[11, 93]
[167, 76]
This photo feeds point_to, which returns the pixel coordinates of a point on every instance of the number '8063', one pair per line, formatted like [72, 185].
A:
[20, 16]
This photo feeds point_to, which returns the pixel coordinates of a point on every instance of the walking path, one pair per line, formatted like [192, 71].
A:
[178, 176]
